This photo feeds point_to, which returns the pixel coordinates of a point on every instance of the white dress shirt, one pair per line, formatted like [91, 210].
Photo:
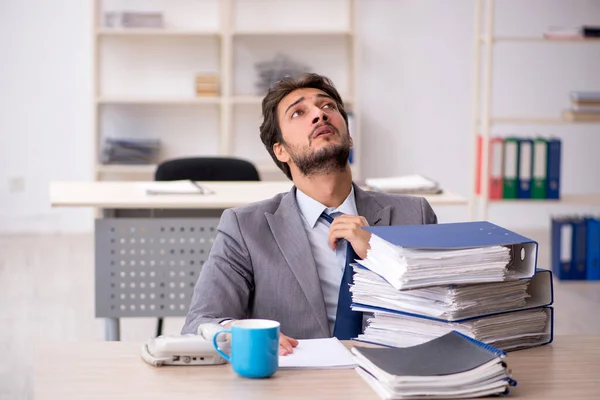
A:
[330, 263]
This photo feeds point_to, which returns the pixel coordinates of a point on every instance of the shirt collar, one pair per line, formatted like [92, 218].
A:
[311, 209]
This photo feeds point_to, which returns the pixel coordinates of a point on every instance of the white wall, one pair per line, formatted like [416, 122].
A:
[415, 95]
[45, 111]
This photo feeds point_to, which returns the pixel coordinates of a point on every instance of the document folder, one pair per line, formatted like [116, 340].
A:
[540, 290]
[464, 235]
[525, 168]
[553, 175]
[593, 249]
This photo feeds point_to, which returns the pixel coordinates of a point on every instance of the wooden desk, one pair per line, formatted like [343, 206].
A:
[569, 368]
[123, 195]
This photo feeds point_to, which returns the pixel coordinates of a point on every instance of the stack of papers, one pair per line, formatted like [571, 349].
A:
[416, 256]
[327, 353]
[420, 282]
[448, 303]
[507, 331]
[407, 268]
[410, 184]
[452, 366]
[176, 187]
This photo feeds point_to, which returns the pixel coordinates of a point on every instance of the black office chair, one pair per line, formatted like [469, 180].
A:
[204, 169]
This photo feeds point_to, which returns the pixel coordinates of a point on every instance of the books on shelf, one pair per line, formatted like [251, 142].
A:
[585, 107]
[451, 366]
[420, 282]
[130, 151]
[576, 247]
[521, 168]
[133, 19]
[572, 32]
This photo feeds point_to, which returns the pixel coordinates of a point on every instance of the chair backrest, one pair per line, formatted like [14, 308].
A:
[206, 169]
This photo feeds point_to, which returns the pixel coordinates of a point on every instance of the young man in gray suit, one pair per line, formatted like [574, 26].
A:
[282, 259]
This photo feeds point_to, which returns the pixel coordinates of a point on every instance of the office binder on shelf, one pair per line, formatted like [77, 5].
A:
[578, 263]
[511, 168]
[540, 291]
[562, 239]
[495, 158]
[455, 236]
[569, 247]
[540, 168]
[553, 169]
[593, 249]
[525, 168]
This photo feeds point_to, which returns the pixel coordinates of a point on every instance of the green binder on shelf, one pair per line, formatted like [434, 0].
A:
[540, 162]
[511, 167]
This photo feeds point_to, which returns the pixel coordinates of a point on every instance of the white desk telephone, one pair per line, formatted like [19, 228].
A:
[186, 349]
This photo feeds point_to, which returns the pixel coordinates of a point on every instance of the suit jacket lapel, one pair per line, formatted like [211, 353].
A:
[368, 207]
[288, 231]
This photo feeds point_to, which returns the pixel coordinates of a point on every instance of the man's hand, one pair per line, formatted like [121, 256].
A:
[349, 227]
[286, 345]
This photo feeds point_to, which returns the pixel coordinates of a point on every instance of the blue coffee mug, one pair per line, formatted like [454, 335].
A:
[254, 347]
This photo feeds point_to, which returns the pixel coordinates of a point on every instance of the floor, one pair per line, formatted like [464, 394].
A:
[47, 293]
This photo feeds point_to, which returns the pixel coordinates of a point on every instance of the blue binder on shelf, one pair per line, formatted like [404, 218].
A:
[540, 291]
[525, 168]
[562, 250]
[578, 263]
[593, 249]
[553, 166]
[569, 247]
[464, 235]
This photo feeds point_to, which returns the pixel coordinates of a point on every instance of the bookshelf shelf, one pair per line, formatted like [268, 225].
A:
[154, 32]
[125, 169]
[592, 199]
[251, 99]
[317, 32]
[539, 121]
[158, 101]
[534, 39]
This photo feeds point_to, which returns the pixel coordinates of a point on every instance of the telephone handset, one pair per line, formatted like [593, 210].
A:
[186, 349]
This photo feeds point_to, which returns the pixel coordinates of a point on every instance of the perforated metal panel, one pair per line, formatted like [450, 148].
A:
[149, 267]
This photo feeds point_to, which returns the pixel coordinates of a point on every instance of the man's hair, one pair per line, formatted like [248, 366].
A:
[270, 131]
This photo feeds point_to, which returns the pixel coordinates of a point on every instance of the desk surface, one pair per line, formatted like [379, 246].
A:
[569, 368]
[123, 195]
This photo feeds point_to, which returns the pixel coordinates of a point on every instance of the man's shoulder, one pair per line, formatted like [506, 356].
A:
[260, 207]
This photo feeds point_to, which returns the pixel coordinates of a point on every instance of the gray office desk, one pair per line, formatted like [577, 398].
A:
[149, 249]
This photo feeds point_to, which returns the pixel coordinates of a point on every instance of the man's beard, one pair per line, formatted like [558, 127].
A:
[323, 161]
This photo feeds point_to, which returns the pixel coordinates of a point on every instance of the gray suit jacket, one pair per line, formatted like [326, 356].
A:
[261, 265]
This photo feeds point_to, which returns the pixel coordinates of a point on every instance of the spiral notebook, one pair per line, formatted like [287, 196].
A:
[451, 366]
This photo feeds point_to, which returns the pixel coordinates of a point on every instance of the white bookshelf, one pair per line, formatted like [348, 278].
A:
[483, 119]
[144, 78]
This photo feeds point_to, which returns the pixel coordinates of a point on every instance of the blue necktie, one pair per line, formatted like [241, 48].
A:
[348, 323]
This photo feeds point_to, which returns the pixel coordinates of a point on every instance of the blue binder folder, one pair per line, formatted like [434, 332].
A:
[562, 249]
[553, 169]
[540, 290]
[525, 168]
[578, 263]
[464, 235]
[593, 250]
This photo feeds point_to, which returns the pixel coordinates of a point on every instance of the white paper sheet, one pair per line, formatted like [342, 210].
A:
[327, 353]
